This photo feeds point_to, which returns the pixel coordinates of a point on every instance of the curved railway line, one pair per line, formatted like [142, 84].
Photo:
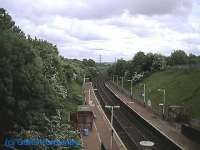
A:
[129, 126]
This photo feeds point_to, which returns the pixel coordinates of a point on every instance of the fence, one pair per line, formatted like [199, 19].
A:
[188, 66]
[137, 98]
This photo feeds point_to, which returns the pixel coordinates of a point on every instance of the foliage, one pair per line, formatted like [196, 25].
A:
[34, 79]
[193, 59]
[120, 67]
[178, 57]
[89, 62]
[149, 63]
[56, 129]
[139, 64]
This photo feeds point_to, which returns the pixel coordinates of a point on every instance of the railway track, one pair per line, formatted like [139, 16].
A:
[128, 124]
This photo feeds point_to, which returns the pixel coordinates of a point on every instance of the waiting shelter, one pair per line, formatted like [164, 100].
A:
[83, 118]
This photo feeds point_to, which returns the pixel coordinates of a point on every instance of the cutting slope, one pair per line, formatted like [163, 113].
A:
[182, 88]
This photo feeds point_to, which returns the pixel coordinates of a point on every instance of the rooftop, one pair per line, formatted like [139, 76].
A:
[84, 108]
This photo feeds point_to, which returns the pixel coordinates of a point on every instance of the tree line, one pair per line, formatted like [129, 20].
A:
[148, 63]
[34, 80]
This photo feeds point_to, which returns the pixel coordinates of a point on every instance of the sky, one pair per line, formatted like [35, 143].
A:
[110, 28]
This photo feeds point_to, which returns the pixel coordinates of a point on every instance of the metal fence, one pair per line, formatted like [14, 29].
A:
[188, 66]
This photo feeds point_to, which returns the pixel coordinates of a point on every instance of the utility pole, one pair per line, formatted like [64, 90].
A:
[111, 120]
[100, 59]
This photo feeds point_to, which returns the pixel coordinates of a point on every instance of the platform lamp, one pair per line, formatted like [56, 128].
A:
[112, 108]
[163, 110]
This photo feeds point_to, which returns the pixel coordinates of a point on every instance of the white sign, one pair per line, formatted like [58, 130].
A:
[149, 102]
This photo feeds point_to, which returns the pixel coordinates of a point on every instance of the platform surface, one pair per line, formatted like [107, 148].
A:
[101, 132]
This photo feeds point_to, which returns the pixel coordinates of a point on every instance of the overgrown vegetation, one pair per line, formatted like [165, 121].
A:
[149, 63]
[35, 80]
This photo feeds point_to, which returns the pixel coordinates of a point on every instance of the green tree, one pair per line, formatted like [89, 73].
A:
[178, 57]
[138, 62]
[159, 62]
[34, 79]
[192, 59]
[148, 62]
[120, 67]
[89, 62]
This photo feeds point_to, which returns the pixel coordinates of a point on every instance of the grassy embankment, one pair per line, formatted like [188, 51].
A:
[75, 92]
[182, 88]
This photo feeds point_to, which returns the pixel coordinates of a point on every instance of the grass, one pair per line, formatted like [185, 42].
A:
[76, 88]
[182, 88]
[75, 96]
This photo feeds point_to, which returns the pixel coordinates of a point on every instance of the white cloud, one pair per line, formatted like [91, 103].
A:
[98, 8]
[113, 28]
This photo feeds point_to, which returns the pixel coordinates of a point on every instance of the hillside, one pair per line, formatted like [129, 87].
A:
[182, 88]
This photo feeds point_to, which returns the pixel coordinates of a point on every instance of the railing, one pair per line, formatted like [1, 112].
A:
[168, 142]
[116, 137]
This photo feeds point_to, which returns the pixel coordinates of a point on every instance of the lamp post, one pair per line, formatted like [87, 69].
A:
[144, 94]
[122, 82]
[89, 96]
[84, 78]
[111, 120]
[131, 86]
[163, 110]
[117, 79]
[114, 78]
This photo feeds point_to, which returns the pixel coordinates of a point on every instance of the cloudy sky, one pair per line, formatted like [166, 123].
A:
[111, 28]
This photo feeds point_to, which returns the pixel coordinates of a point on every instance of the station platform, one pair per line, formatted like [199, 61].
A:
[100, 135]
[164, 127]
[92, 141]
